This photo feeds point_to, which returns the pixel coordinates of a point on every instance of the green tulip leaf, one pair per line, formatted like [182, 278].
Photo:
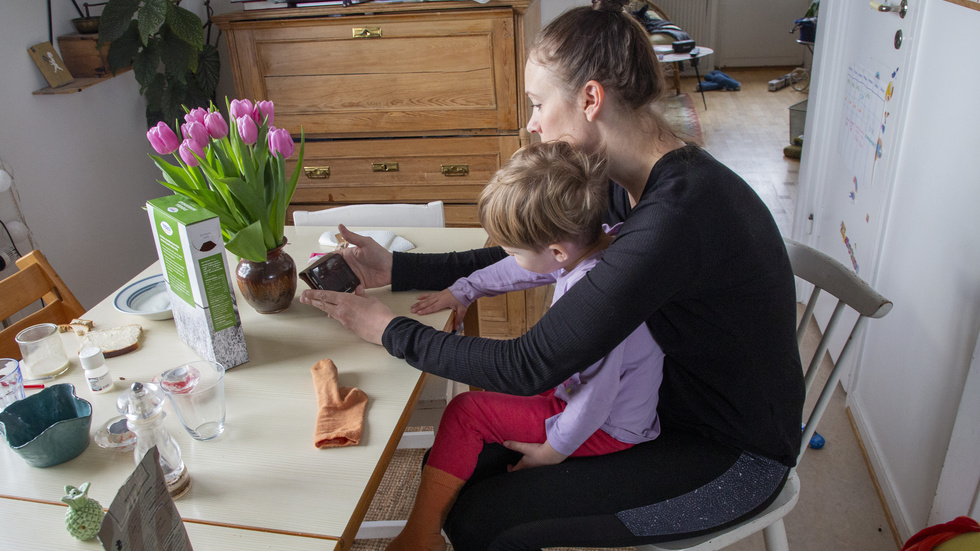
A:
[248, 243]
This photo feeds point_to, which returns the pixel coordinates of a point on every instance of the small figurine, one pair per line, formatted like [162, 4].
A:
[84, 516]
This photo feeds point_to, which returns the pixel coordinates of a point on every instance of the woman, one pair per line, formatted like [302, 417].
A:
[698, 259]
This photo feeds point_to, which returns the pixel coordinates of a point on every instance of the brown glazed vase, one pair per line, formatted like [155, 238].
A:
[269, 286]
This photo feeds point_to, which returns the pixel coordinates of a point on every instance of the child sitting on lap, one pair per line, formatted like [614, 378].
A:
[545, 206]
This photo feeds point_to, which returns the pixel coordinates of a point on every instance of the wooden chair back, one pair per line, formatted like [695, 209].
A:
[35, 280]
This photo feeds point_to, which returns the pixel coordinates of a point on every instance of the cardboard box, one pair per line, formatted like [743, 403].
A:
[81, 56]
[191, 251]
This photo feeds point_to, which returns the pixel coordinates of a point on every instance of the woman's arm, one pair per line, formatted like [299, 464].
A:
[654, 257]
[437, 271]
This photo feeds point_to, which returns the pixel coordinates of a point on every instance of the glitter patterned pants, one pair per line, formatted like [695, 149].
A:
[679, 485]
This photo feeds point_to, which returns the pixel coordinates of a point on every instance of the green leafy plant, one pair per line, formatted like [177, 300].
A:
[170, 50]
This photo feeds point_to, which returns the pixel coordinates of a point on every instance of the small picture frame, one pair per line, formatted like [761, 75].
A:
[50, 63]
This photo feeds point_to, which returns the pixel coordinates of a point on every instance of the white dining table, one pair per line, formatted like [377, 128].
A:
[262, 480]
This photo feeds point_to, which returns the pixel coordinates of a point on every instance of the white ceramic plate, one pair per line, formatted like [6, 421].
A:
[147, 297]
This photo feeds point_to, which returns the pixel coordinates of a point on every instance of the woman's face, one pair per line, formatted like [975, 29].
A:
[553, 115]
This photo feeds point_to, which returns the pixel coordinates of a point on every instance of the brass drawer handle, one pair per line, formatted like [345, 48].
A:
[455, 170]
[317, 172]
[384, 167]
[367, 32]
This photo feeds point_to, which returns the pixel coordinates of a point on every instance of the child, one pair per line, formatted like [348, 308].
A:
[545, 206]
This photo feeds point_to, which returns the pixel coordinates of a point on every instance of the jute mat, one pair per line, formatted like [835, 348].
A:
[395, 496]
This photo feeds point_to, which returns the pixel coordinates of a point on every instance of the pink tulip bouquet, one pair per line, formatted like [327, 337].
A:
[235, 169]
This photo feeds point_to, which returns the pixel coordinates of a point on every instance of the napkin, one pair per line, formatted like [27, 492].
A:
[340, 410]
[385, 238]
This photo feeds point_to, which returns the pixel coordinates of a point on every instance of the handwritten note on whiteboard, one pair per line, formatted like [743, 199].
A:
[861, 119]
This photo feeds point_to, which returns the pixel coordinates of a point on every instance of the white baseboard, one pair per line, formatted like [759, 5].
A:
[883, 480]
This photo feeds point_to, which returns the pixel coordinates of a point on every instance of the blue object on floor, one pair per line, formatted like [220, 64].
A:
[723, 80]
[817, 441]
[707, 86]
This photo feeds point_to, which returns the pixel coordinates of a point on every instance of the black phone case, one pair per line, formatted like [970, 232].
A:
[330, 272]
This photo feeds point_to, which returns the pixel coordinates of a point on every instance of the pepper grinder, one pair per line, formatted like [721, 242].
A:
[142, 405]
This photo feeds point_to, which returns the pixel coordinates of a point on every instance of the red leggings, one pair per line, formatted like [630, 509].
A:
[474, 418]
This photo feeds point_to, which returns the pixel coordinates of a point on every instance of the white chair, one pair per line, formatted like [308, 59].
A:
[828, 275]
[392, 215]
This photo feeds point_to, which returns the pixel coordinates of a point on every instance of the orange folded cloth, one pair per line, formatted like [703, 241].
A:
[340, 415]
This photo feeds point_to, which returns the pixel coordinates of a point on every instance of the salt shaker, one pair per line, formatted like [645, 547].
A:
[142, 405]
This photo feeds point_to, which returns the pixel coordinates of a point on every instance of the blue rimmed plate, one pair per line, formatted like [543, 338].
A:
[147, 297]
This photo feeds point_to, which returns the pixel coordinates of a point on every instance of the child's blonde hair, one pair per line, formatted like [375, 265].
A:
[546, 193]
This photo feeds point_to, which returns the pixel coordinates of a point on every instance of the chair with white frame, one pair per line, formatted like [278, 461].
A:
[393, 215]
[831, 277]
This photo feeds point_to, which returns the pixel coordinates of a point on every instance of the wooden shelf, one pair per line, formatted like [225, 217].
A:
[76, 85]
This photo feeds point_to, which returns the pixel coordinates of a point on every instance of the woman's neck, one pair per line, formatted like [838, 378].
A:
[633, 149]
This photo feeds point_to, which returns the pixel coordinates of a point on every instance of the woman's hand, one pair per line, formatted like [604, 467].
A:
[433, 302]
[535, 455]
[370, 261]
[364, 316]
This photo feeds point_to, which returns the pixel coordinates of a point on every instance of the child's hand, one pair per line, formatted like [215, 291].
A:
[433, 302]
[535, 455]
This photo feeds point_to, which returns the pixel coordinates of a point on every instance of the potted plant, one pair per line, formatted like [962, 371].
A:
[170, 51]
[236, 168]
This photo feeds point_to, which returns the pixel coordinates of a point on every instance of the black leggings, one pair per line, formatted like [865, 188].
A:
[679, 485]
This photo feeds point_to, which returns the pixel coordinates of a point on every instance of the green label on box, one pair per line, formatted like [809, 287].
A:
[173, 261]
[217, 291]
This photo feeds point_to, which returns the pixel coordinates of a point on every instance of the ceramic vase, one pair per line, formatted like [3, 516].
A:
[269, 286]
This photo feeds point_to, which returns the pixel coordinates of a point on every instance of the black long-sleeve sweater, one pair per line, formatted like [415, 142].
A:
[701, 261]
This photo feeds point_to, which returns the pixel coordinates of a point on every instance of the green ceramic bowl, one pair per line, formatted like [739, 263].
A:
[50, 427]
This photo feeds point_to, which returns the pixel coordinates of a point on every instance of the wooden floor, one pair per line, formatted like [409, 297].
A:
[747, 131]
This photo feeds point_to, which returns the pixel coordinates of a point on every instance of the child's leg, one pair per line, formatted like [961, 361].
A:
[470, 419]
[474, 418]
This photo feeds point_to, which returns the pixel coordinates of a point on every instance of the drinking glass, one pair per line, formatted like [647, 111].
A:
[43, 352]
[197, 392]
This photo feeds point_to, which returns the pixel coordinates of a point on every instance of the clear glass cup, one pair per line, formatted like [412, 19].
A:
[197, 392]
[43, 352]
[11, 384]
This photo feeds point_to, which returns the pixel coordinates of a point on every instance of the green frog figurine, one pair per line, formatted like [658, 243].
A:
[84, 516]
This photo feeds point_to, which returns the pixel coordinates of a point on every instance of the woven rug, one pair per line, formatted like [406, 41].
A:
[680, 113]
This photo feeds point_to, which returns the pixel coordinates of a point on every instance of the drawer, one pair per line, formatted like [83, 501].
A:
[417, 74]
[400, 170]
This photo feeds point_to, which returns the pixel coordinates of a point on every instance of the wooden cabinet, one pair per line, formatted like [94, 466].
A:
[406, 102]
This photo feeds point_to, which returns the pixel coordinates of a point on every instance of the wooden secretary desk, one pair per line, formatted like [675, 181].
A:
[400, 102]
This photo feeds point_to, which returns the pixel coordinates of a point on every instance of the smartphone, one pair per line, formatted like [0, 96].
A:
[330, 272]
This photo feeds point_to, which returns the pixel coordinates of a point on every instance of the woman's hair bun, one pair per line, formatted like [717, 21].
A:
[609, 5]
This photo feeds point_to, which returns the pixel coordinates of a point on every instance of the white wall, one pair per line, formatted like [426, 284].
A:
[751, 33]
[79, 161]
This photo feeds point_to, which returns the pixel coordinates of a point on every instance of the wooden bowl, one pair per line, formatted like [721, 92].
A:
[86, 25]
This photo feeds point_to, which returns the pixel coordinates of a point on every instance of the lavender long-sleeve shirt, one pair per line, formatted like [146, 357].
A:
[617, 394]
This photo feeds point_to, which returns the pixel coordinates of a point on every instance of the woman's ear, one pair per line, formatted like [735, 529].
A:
[594, 95]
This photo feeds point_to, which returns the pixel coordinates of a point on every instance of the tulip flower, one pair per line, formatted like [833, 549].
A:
[247, 129]
[163, 139]
[281, 142]
[216, 126]
[196, 115]
[240, 108]
[197, 132]
[186, 148]
[264, 110]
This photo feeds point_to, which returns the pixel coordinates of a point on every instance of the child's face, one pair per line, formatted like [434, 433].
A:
[545, 261]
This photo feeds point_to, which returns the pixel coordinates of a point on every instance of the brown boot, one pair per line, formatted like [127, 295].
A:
[423, 530]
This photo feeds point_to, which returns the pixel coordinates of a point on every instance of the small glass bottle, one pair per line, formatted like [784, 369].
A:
[142, 404]
[96, 372]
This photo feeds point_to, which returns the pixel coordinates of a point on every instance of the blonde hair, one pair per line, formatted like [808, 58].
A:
[546, 193]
